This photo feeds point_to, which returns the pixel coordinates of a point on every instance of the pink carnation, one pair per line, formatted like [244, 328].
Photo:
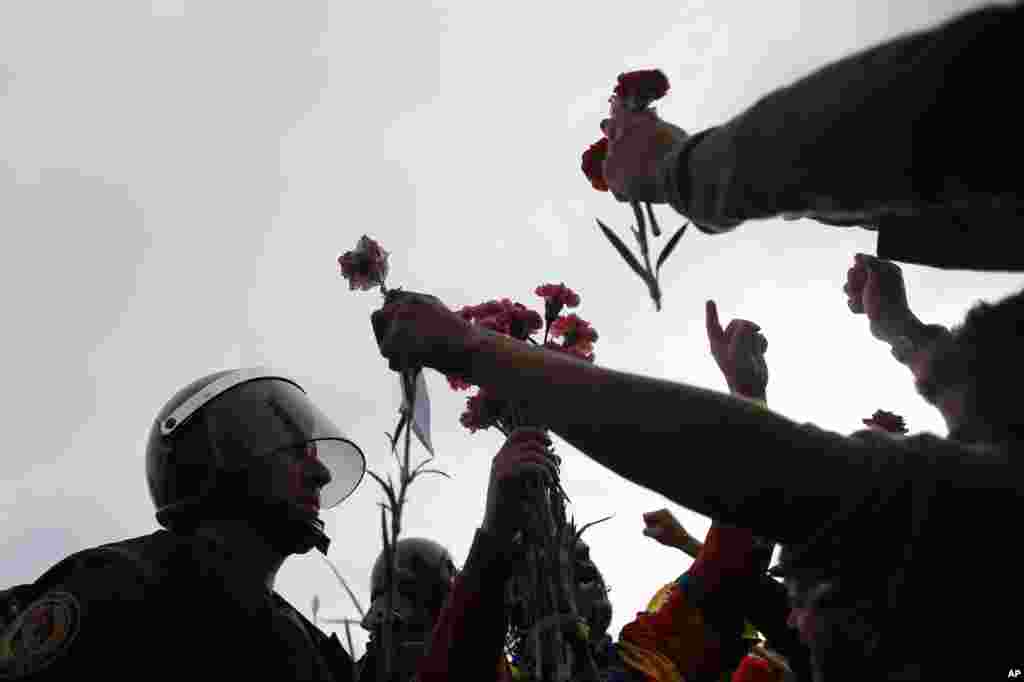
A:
[504, 317]
[558, 292]
[576, 331]
[592, 164]
[644, 86]
[556, 297]
[886, 421]
[365, 267]
[458, 383]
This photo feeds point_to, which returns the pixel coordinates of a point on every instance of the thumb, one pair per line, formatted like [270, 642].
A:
[716, 335]
[654, 531]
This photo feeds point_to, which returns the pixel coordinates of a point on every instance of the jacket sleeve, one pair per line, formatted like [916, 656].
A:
[81, 624]
[979, 239]
[469, 636]
[888, 131]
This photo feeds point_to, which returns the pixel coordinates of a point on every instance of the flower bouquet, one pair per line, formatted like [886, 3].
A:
[634, 93]
[540, 599]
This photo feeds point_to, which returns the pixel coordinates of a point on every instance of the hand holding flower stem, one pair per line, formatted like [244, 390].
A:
[366, 267]
[632, 96]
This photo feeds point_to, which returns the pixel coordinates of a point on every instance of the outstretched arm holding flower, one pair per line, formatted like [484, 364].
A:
[607, 414]
[887, 137]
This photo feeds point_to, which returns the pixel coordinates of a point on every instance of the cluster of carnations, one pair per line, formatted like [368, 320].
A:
[563, 333]
[886, 421]
[634, 93]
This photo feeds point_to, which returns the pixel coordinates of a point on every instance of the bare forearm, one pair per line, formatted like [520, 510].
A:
[911, 344]
[720, 456]
[691, 547]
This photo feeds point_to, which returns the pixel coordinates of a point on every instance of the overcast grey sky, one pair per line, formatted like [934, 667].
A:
[178, 177]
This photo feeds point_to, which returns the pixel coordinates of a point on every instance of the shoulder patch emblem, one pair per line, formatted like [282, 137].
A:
[39, 635]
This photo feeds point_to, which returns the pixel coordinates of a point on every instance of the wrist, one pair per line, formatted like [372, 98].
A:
[456, 357]
[487, 560]
[750, 393]
[689, 546]
[915, 340]
[908, 327]
[670, 177]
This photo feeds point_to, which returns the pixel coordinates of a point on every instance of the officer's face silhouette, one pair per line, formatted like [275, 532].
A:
[298, 475]
[414, 611]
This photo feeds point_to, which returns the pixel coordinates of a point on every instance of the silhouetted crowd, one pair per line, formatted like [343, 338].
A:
[896, 550]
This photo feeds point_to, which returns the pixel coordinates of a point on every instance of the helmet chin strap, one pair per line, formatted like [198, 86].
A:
[291, 530]
[288, 529]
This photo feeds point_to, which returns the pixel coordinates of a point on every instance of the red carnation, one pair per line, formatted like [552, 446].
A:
[556, 297]
[593, 164]
[559, 292]
[504, 317]
[886, 421]
[753, 668]
[576, 331]
[366, 266]
[458, 383]
[523, 321]
[642, 86]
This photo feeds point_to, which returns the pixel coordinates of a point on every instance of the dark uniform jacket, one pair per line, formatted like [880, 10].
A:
[159, 606]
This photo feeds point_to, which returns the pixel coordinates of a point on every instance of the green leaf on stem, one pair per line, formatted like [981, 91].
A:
[388, 488]
[670, 246]
[592, 523]
[641, 231]
[430, 471]
[655, 228]
[351, 648]
[419, 469]
[403, 423]
[623, 250]
[384, 532]
[655, 290]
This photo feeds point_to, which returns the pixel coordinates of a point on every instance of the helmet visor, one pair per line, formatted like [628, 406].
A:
[266, 415]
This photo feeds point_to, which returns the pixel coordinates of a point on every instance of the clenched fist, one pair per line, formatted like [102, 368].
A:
[663, 526]
[523, 455]
[874, 287]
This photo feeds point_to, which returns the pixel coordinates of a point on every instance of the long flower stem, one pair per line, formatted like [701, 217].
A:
[405, 477]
